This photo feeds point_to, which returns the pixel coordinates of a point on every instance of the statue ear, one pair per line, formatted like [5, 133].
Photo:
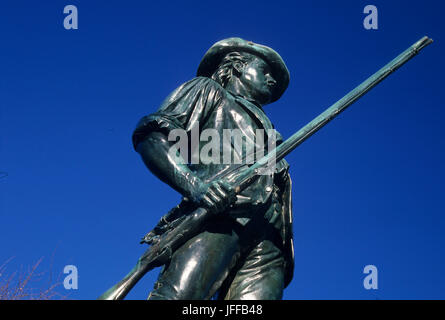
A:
[237, 68]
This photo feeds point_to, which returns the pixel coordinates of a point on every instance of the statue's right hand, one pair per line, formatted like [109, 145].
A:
[216, 196]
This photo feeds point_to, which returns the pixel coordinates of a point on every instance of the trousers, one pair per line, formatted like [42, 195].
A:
[226, 261]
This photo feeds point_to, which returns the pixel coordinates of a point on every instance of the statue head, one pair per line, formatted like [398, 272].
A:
[253, 71]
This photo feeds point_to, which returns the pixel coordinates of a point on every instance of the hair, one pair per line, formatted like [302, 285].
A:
[232, 60]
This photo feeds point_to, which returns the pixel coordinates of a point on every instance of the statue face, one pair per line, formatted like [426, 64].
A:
[257, 79]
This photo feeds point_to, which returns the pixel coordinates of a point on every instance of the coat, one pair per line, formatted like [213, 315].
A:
[202, 104]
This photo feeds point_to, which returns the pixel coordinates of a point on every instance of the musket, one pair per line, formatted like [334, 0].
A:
[191, 224]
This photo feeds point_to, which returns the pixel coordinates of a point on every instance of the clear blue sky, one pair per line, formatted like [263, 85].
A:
[368, 188]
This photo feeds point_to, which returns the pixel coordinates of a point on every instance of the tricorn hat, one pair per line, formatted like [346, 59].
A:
[219, 50]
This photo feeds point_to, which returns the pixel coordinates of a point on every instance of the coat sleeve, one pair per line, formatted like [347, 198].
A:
[184, 108]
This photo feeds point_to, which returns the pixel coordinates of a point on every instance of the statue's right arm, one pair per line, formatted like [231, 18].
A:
[154, 150]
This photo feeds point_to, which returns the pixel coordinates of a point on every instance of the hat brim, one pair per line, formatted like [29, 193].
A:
[219, 50]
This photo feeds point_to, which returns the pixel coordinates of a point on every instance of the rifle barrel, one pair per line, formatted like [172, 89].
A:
[333, 111]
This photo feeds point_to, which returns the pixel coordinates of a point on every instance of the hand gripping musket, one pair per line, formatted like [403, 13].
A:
[191, 224]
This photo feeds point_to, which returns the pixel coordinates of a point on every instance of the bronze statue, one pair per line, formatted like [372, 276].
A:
[248, 257]
[231, 235]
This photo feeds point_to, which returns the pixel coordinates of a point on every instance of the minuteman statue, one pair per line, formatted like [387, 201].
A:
[245, 250]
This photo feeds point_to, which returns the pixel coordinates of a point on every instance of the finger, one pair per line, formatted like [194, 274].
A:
[220, 191]
[226, 198]
[226, 186]
[217, 200]
[230, 191]
[208, 203]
